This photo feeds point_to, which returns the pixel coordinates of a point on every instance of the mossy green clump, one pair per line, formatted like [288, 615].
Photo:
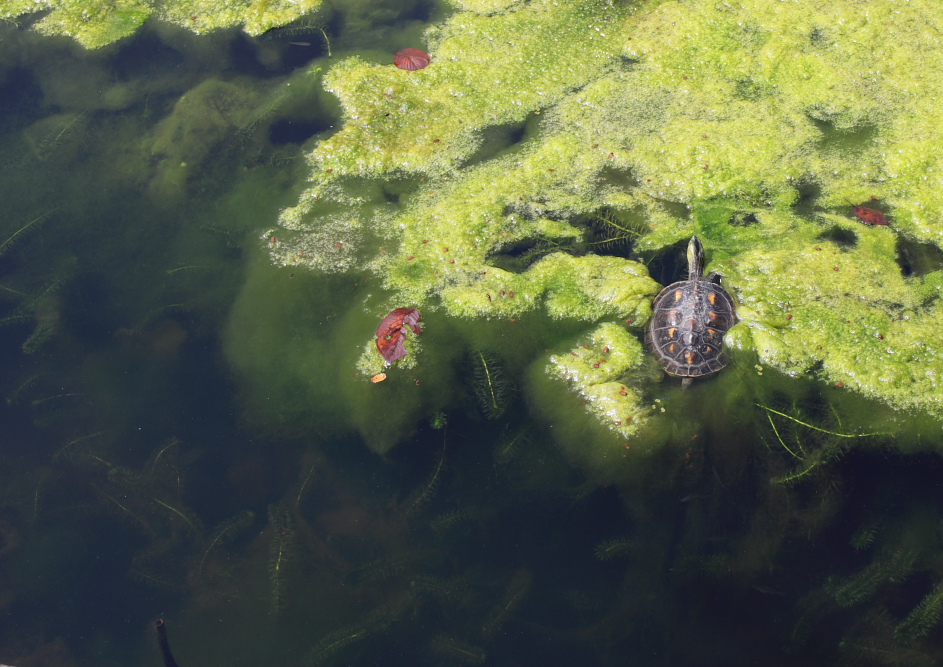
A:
[445, 242]
[255, 16]
[755, 125]
[486, 71]
[598, 370]
[96, 24]
[482, 6]
[92, 24]
[846, 313]
[756, 95]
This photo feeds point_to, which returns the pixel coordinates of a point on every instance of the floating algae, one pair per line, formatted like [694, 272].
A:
[751, 125]
[94, 24]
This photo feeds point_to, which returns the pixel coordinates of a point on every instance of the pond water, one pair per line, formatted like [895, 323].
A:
[187, 436]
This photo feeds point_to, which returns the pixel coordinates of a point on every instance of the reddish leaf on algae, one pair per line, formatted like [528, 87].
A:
[392, 332]
[869, 216]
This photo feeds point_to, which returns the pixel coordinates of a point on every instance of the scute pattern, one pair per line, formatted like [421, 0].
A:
[687, 329]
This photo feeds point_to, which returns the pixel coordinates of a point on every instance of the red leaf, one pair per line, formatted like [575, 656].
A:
[869, 216]
[392, 332]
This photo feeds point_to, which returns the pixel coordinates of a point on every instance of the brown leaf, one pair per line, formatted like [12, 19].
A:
[392, 332]
[869, 216]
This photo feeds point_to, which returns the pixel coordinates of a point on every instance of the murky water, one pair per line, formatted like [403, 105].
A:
[185, 435]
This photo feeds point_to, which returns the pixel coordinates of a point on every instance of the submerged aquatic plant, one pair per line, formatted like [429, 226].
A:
[807, 444]
[281, 551]
[36, 303]
[490, 384]
[904, 575]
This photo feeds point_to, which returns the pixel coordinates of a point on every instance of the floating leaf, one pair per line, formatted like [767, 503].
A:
[392, 332]
[869, 216]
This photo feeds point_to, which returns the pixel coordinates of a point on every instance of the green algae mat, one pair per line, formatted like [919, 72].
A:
[96, 24]
[755, 125]
[552, 152]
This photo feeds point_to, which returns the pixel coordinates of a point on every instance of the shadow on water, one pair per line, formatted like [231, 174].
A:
[918, 259]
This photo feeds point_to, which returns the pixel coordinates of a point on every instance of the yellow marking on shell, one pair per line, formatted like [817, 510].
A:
[712, 315]
[689, 357]
[678, 295]
[671, 348]
[712, 298]
[671, 332]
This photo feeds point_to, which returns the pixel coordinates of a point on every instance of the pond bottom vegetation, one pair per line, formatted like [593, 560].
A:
[452, 560]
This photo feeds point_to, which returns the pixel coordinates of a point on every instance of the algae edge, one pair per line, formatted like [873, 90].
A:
[95, 24]
[752, 126]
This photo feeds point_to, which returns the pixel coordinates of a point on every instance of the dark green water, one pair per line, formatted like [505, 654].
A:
[151, 468]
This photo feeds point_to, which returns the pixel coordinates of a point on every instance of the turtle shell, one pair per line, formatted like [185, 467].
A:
[689, 320]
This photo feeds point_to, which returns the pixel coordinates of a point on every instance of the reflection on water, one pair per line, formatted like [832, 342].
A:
[144, 475]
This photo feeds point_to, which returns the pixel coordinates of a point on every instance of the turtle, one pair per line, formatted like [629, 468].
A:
[689, 320]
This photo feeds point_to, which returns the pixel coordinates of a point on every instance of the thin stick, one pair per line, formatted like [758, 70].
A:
[163, 644]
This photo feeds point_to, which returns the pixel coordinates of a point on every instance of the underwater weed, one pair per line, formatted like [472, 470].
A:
[262, 115]
[613, 549]
[515, 593]
[864, 537]
[334, 642]
[448, 591]
[872, 641]
[223, 533]
[23, 231]
[175, 513]
[611, 231]
[281, 549]
[807, 443]
[924, 617]
[153, 580]
[63, 127]
[456, 651]
[449, 520]
[857, 588]
[490, 384]
[304, 482]
[123, 509]
[384, 568]
[519, 255]
[163, 464]
[426, 492]
[376, 621]
[510, 445]
[73, 447]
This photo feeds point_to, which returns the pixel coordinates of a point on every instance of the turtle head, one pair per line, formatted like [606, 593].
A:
[695, 259]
